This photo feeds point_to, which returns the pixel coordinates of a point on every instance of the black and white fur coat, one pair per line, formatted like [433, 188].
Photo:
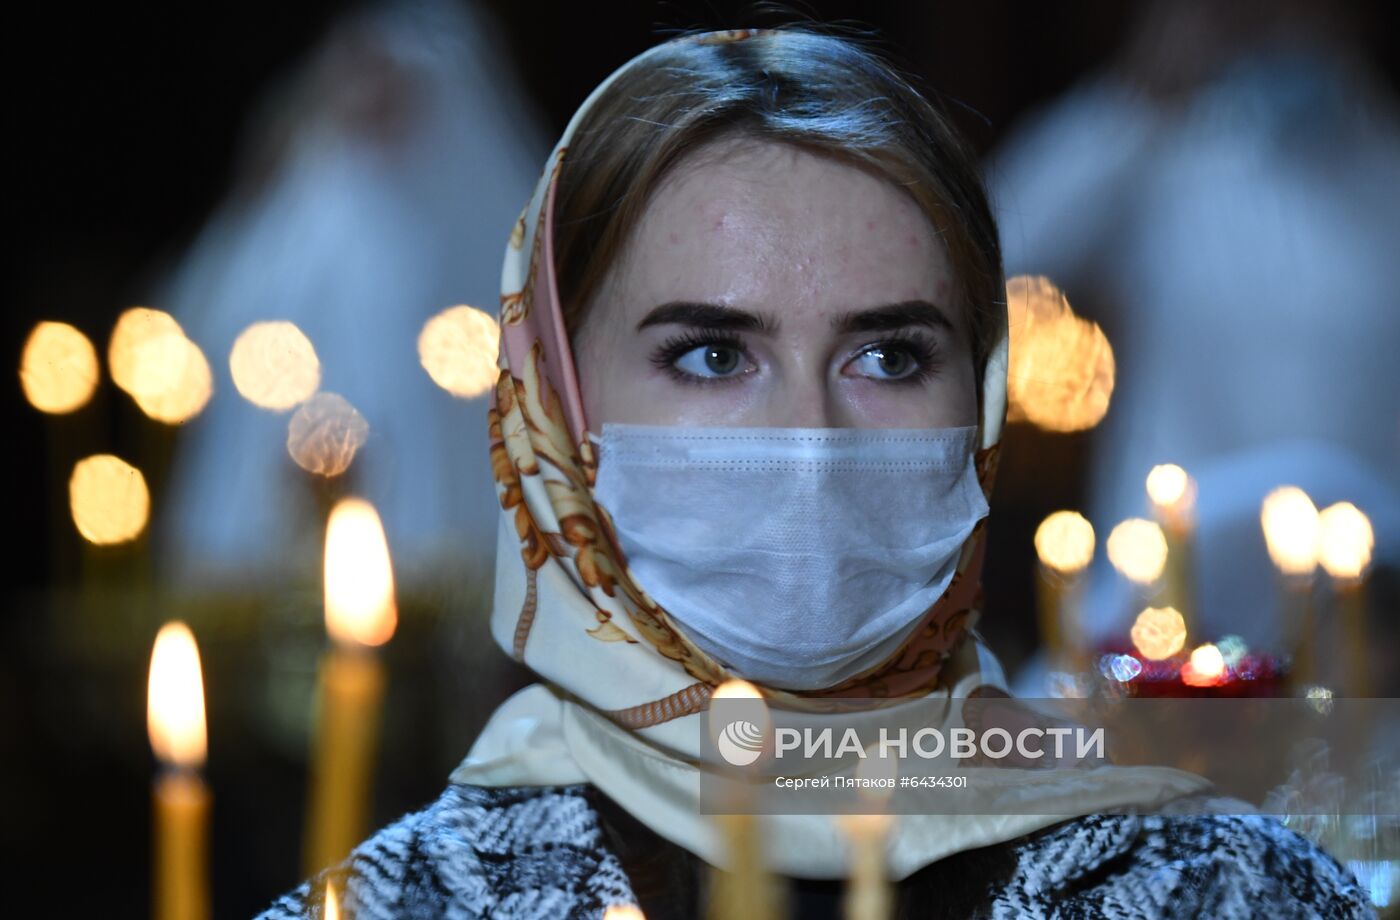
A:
[542, 852]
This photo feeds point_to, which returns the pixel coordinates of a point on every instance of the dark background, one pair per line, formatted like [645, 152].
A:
[125, 120]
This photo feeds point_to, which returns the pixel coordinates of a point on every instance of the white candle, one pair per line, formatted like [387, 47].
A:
[176, 724]
[361, 614]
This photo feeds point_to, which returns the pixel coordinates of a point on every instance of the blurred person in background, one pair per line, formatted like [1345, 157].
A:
[1224, 199]
[375, 183]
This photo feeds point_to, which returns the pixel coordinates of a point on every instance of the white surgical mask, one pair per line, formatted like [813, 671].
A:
[797, 557]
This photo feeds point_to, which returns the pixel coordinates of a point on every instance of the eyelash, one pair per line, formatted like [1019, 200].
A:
[922, 348]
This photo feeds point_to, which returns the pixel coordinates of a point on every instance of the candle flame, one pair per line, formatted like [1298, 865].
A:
[1064, 541]
[460, 348]
[1171, 490]
[274, 365]
[1159, 632]
[1206, 667]
[175, 698]
[359, 586]
[1346, 540]
[1291, 530]
[736, 690]
[624, 912]
[332, 911]
[1061, 367]
[58, 368]
[324, 434]
[1138, 549]
[108, 499]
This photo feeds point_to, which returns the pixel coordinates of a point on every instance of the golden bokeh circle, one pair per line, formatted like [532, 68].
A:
[1137, 548]
[460, 348]
[1159, 632]
[108, 499]
[324, 434]
[1064, 541]
[1061, 369]
[187, 385]
[274, 365]
[58, 368]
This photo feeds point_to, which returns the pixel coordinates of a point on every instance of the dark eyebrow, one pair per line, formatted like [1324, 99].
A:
[893, 316]
[874, 319]
[709, 316]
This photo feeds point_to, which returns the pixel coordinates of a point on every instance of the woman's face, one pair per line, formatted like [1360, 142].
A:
[770, 286]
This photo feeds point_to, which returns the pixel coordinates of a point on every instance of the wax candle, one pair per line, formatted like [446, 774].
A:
[1173, 495]
[1291, 528]
[360, 615]
[176, 724]
[745, 888]
[1345, 544]
[1064, 544]
[869, 894]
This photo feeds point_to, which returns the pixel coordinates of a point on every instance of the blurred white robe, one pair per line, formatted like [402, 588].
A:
[358, 237]
[1243, 247]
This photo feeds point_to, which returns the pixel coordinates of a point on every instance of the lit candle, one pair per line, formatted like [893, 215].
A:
[1064, 543]
[1346, 541]
[1291, 531]
[360, 615]
[624, 912]
[1205, 668]
[1173, 495]
[176, 725]
[332, 911]
[747, 888]
[869, 895]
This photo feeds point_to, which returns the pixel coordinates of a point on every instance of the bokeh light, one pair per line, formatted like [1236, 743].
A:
[163, 371]
[1159, 632]
[188, 383]
[1346, 540]
[109, 499]
[324, 434]
[58, 368]
[1061, 366]
[274, 365]
[140, 334]
[1138, 549]
[1292, 530]
[1206, 667]
[459, 348]
[1064, 541]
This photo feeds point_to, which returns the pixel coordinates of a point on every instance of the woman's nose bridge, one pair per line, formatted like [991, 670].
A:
[805, 401]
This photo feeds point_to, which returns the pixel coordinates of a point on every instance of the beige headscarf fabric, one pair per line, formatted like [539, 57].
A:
[624, 688]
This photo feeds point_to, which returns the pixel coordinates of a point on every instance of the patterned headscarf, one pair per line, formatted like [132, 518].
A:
[580, 600]
[566, 604]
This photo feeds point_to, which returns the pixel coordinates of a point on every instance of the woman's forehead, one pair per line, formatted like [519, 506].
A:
[773, 224]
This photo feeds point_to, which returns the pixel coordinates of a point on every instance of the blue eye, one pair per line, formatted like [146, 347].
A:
[709, 360]
[700, 358]
[901, 359]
